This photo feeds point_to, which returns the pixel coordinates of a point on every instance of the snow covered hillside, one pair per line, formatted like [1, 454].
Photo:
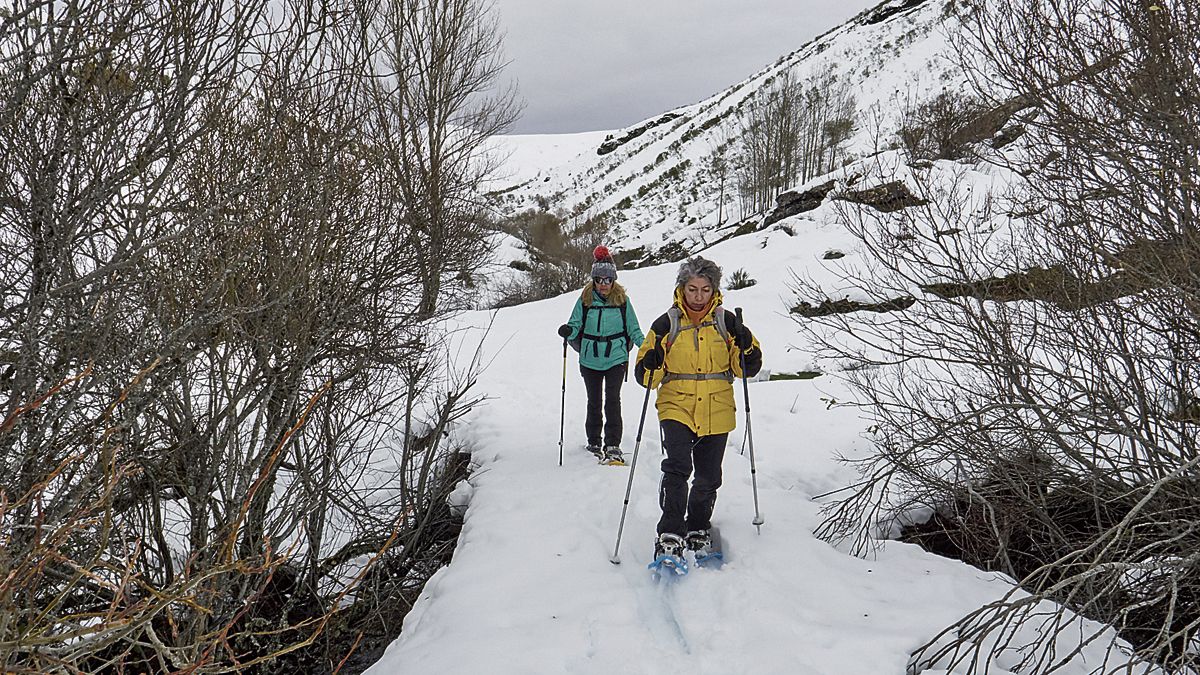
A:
[654, 180]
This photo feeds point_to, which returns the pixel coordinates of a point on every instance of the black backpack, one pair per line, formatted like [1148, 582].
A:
[577, 343]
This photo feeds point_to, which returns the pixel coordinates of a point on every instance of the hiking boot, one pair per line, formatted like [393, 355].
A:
[668, 543]
[612, 455]
[700, 542]
[596, 450]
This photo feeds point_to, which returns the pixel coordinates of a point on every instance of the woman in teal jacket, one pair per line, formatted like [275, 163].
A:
[603, 328]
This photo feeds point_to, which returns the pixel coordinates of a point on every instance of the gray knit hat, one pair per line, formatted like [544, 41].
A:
[699, 267]
[604, 265]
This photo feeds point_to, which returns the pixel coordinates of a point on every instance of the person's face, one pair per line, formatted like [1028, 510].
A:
[697, 292]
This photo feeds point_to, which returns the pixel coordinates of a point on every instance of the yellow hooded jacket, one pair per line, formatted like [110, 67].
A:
[706, 406]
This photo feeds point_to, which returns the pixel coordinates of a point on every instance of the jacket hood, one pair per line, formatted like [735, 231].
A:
[717, 298]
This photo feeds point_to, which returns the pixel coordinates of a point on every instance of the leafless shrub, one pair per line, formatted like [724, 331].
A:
[933, 129]
[1050, 438]
[214, 332]
[560, 246]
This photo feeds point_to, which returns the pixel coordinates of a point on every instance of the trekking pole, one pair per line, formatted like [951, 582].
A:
[758, 519]
[616, 557]
[562, 416]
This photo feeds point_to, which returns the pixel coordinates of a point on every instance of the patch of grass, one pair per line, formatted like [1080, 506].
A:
[741, 279]
[802, 375]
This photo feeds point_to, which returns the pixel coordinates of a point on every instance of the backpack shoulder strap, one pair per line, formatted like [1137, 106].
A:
[662, 327]
[625, 326]
[673, 317]
[719, 316]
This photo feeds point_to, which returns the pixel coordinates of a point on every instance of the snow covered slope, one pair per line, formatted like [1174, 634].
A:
[531, 588]
[654, 180]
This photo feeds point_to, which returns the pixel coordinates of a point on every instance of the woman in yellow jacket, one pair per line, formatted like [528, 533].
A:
[694, 364]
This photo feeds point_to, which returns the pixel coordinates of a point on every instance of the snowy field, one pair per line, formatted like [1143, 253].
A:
[531, 588]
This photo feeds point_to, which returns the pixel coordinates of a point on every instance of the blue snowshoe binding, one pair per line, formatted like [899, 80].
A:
[668, 556]
[705, 545]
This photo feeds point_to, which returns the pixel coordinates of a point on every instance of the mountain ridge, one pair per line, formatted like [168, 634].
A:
[653, 180]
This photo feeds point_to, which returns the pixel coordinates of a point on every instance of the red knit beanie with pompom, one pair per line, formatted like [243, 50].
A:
[604, 265]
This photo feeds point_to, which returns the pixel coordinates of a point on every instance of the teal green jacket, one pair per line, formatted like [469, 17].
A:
[602, 342]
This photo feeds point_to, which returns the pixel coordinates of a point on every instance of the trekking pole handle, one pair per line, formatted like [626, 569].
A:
[742, 356]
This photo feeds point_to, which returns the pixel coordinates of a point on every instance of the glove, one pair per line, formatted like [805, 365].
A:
[564, 331]
[741, 335]
[753, 358]
[653, 360]
[743, 339]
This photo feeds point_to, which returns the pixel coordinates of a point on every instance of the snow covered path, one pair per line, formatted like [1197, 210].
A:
[531, 588]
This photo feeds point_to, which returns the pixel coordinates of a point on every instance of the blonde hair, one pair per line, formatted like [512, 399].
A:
[615, 297]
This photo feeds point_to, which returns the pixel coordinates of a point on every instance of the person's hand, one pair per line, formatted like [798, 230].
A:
[564, 331]
[653, 359]
[752, 360]
[741, 335]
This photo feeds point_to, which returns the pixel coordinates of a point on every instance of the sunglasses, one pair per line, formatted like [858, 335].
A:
[602, 280]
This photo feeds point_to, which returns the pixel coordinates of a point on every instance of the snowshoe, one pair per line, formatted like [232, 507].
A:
[612, 456]
[668, 556]
[596, 450]
[705, 545]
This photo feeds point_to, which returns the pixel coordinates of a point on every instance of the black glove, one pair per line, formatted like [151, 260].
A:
[741, 335]
[752, 358]
[564, 331]
[653, 360]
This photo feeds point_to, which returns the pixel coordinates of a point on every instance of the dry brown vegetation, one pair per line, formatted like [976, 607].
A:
[226, 230]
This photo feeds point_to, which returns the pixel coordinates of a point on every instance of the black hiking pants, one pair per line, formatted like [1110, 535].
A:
[684, 510]
[603, 394]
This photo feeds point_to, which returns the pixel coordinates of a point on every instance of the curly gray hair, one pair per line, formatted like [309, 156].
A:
[699, 267]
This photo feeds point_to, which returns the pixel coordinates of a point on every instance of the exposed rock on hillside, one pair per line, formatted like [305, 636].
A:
[887, 197]
[791, 203]
[885, 13]
[612, 144]
[1141, 267]
[846, 305]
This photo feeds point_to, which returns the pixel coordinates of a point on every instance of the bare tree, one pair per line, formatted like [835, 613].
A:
[224, 406]
[718, 166]
[441, 59]
[1039, 388]
[790, 133]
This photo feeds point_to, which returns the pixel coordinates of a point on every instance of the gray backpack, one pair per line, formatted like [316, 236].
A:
[674, 326]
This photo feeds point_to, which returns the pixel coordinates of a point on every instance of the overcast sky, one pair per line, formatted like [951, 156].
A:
[585, 65]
